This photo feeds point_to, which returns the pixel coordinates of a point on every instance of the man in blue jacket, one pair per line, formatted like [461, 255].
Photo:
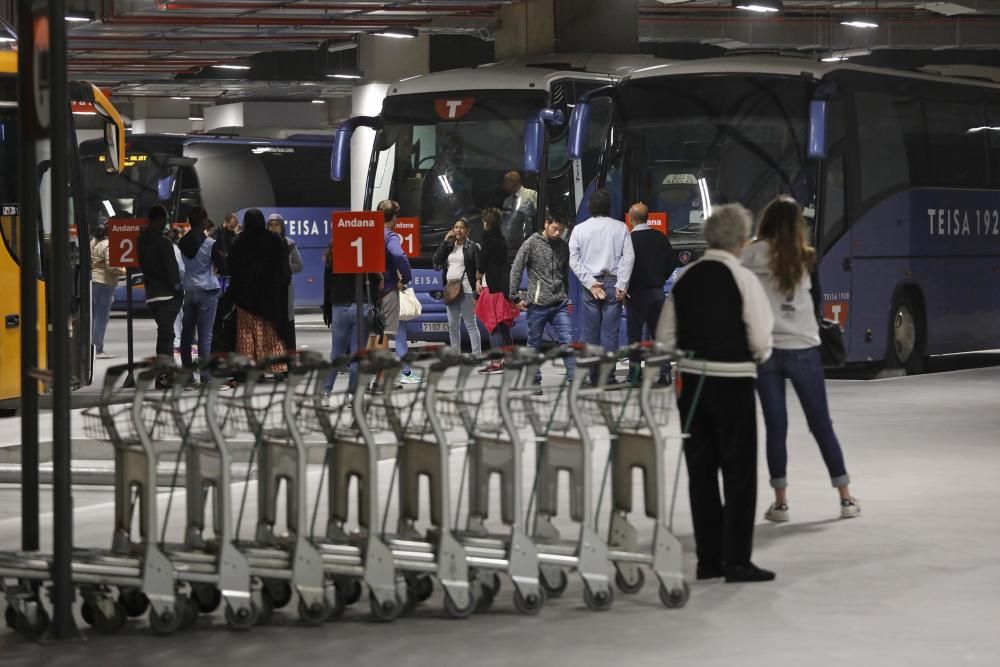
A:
[395, 279]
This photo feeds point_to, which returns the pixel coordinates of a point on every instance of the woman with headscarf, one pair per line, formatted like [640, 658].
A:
[260, 275]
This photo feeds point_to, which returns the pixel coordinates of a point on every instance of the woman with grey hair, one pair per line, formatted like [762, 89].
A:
[719, 318]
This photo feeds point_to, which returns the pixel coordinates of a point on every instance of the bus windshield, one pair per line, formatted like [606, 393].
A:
[443, 156]
[690, 142]
[146, 180]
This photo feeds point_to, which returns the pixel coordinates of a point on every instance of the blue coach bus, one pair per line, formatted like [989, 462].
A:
[227, 175]
[898, 173]
[444, 141]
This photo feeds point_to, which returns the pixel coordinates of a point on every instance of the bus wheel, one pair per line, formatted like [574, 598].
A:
[905, 335]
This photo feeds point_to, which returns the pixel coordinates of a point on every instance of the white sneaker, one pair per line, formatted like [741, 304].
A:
[104, 355]
[849, 508]
[410, 378]
[325, 400]
[777, 513]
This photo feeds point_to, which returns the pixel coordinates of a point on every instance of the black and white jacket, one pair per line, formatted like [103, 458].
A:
[719, 314]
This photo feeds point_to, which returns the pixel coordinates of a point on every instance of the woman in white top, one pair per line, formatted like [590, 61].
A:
[458, 260]
[782, 260]
[104, 280]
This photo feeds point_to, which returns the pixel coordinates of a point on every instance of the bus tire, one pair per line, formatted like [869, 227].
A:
[906, 333]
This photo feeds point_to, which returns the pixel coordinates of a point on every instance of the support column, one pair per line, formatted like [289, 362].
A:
[382, 60]
[597, 26]
[526, 29]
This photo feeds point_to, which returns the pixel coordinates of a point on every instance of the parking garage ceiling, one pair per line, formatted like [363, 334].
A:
[162, 47]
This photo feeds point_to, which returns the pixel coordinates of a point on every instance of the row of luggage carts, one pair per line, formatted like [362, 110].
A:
[322, 534]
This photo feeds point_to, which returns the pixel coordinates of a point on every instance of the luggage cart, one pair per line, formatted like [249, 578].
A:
[562, 429]
[490, 417]
[277, 413]
[141, 571]
[422, 431]
[355, 556]
[637, 417]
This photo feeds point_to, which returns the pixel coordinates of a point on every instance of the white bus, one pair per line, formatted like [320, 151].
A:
[444, 141]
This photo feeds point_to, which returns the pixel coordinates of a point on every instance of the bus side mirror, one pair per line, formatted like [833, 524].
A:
[340, 158]
[579, 124]
[817, 129]
[534, 137]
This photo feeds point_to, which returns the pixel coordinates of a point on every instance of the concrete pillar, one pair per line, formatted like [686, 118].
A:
[525, 29]
[597, 26]
[154, 115]
[382, 60]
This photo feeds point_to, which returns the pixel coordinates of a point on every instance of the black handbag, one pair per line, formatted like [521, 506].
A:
[224, 327]
[831, 344]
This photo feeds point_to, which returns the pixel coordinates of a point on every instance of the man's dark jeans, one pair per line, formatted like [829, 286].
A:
[165, 314]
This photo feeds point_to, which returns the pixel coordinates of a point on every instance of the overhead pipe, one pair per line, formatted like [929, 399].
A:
[331, 7]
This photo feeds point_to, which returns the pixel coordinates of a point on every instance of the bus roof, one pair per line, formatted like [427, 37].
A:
[786, 66]
[528, 73]
[186, 139]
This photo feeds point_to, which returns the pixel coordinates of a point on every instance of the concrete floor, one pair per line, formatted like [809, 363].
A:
[913, 581]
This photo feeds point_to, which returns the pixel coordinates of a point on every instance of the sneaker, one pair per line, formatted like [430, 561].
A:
[665, 380]
[849, 508]
[325, 399]
[777, 513]
[104, 355]
[410, 378]
[492, 367]
[748, 573]
[538, 386]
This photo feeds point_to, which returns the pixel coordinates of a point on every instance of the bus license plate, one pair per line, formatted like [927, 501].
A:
[434, 327]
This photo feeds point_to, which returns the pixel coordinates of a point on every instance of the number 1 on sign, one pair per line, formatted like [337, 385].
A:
[359, 244]
[408, 239]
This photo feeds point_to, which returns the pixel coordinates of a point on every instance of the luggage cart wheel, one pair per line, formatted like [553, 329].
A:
[134, 601]
[674, 598]
[281, 592]
[313, 614]
[387, 610]
[557, 589]
[630, 587]
[169, 621]
[599, 601]
[454, 611]
[207, 596]
[243, 619]
[189, 612]
[423, 587]
[530, 604]
[351, 589]
[32, 630]
[108, 625]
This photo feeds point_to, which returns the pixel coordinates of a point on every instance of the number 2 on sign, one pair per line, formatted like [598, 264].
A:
[359, 244]
[127, 247]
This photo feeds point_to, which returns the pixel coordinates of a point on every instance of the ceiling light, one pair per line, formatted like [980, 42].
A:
[319, 101]
[865, 22]
[238, 67]
[180, 98]
[309, 83]
[834, 59]
[397, 33]
[85, 113]
[4, 39]
[345, 75]
[195, 118]
[759, 6]
[79, 15]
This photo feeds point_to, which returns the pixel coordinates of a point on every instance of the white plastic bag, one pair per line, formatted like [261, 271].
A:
[409, 305]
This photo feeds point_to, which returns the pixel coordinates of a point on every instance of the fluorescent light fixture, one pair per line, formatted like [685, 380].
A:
[309, 83]
[85, 113]
[180, 98]
[864, 22]
[109, 208]
[759, 6]
[4, 39]
[834, 59]
[79, 15]
[237, 67]
[195, 118]
[397, 33]
[319, 101]
[982, 128]
[345, 75]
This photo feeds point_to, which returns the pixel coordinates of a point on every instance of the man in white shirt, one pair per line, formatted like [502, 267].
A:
[519, 209]
[601, 256]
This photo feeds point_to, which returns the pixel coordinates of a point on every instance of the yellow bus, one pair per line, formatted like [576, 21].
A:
[10, 305]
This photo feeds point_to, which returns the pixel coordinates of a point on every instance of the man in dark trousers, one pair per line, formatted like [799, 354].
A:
[654, 262]
[162, 278]
[718, 313]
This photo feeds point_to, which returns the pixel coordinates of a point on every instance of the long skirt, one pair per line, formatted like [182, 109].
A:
[257, 339]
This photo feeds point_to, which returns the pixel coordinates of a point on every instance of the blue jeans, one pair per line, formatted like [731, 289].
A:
[198, 313]
[464, 308]
[601, 319]
[101, 297]
[344, 327]
[562, 327]
[805, 370]
[402, 347]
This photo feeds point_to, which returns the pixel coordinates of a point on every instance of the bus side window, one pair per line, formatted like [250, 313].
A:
[833, 221]
[190, 192]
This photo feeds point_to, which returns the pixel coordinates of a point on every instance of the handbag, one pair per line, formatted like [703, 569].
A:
[831, 344]
[224, 327]
[409, 305]
[453, 290]
[375, 321]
